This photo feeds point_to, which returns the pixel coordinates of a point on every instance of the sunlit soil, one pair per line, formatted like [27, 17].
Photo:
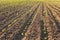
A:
[29, 19]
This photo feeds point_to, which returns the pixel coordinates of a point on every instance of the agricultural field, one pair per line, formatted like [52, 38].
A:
[29, 20]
